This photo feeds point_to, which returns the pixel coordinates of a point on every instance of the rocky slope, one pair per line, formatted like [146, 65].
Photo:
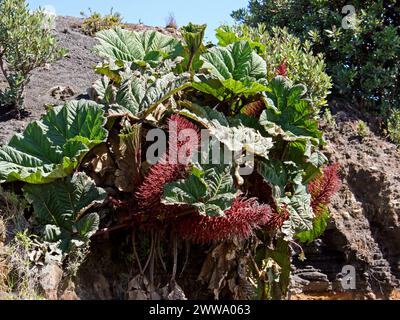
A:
[364, 231]
[65, 79]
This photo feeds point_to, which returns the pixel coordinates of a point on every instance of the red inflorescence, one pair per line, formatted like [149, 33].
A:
[254, 109]
[148, 195]
[278, 218]
[324, 187]
[281, 70]
[245, 216]
[183, 136]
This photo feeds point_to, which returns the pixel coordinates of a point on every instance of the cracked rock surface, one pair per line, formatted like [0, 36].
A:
[364, 230]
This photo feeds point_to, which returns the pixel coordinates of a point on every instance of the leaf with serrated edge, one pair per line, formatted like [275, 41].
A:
[131, 46]
[211, 192]
[61, 205]
[138, 95]
[319, 225]
[52, 147]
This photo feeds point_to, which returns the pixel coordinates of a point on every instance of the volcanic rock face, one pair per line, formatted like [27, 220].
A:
[364, 231]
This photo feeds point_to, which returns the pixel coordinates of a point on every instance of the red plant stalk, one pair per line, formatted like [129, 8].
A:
[323, 187]
[240, 221]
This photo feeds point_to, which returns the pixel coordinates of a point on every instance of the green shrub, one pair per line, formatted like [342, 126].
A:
[363, 59]
[97, 22]
[26, 43]
[278, 47]
[394, 126]
[328, 119]
[362, 129]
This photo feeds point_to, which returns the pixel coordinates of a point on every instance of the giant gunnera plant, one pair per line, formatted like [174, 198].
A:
[183, 143]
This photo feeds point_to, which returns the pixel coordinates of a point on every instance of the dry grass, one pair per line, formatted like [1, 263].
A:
[395, 295]
[170, 21]
[18, 280]
[3, 258]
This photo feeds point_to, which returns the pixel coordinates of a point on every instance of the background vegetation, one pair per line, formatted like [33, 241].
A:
[362, 58]
[26, 43]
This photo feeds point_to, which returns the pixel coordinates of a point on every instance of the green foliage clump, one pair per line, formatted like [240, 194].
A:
[96, 22]
[394, 126]
[328, 119]
[362, 129]
[282, 50]
[362, 48]
[26, 43]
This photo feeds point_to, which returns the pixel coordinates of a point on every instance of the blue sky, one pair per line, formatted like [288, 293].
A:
[212, 12]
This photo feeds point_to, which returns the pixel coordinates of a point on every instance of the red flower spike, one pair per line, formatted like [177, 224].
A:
[253, 109]
[245, 216]
[278, 218]
[281, 70]
[148, 195]
[184, 138]
[323, 187]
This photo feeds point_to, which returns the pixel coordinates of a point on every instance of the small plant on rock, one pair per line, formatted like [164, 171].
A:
[394, 126]
[97, 22]
[362, 129]
[26, 43]
[171, 21]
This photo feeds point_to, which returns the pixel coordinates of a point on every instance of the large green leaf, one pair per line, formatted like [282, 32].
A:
[228, 89]
[52, 147]
[301, 215]
[313, 165]
[319, 225]
[275, 174]
[238, 69]
[237, 61]
[290, 118]
[60, 207]
[306, 156]
[287, 112]
[209, 189]
[138, 94]
[279, 175]
[241, 138]
[235, 136]
[140, 47]
[204, 115]
[103, 91]
[226, 36]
